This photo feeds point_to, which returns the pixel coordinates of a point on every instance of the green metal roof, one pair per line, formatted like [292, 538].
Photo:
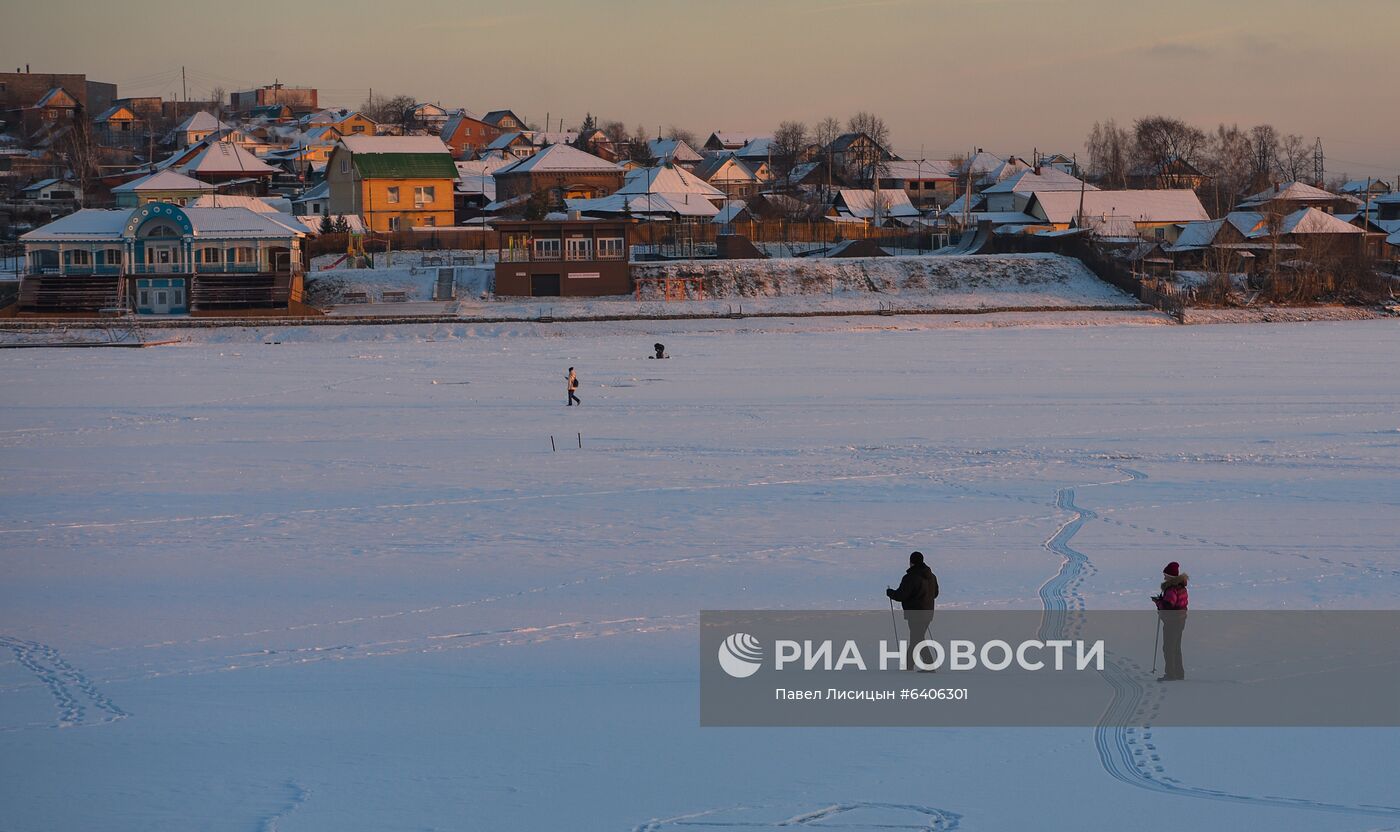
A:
[405, 166]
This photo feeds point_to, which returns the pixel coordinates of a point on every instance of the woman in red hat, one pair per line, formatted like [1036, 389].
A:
[1171, 608]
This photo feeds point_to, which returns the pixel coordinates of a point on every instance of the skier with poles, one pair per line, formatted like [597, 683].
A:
[917, 593]
[571, 380]
[1171, 613]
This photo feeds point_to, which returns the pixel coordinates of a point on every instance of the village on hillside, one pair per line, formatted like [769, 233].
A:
[260, 202]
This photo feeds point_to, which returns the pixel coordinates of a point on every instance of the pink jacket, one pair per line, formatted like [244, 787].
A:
[1174, 594]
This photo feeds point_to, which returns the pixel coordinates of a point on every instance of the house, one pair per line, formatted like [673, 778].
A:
[515, 143]
[563, 258]
[56, 108]
[344, 122]
[119, 125]
[1287, 197]
[505, 121]
[1140, 213]
[425, 116]
[197, 128]
[1387, 207]
[561, 172]
[314, 201]
[393, 182]
[1059, 162]
[476, 186]
[856, 153]
[722, 141]
[1171, 173]
[673, 151]
[298, 98]
[1361, 188]
[220, 162]
[664, 192]
[465, 134]
[884, 207]
[162, 259]
[727, 173]
[51, 190]
[927, 183]
[162, 186]
[1014, 192]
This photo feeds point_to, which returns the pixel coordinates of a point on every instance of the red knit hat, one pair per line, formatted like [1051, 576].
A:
[1172, 569]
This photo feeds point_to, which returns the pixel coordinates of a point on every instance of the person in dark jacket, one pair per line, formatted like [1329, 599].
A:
[1171, 609]
[916, 592]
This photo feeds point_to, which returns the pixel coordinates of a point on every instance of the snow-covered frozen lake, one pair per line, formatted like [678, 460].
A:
[343, 582]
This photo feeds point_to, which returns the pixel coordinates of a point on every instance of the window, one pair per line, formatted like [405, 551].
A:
[79, 257]
[430, 221]
[242, 254]
[1161, 233]
[358, 128]
[393, 223]
[424, 195]
[580, 248]
[111, 256]
[344, 165]
[211, 254]
[393, 192]
[547, 248]
[611, 248]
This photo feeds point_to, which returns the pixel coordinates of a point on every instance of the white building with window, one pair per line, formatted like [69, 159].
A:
[162, 258]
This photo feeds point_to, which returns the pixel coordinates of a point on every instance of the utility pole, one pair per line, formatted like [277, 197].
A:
[184, 88]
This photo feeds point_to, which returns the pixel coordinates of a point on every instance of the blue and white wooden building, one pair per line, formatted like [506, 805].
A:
[163, 259]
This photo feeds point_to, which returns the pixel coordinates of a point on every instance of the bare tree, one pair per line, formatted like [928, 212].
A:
[616, 132]
[1159, 142]
[217, 96]
[871, 125]
[825, 131]
[1109, 147]
[1294, 160]
[678, 133]
[1264, 139]
[1229, 160]
[789, 142]
[391, 110]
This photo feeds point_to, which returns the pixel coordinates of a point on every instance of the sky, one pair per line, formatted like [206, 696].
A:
[1010, 76]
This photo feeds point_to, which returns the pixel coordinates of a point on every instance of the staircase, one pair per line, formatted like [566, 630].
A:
[69, 293]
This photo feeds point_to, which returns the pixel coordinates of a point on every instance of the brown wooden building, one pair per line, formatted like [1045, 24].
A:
[562, 172]
[563, 258]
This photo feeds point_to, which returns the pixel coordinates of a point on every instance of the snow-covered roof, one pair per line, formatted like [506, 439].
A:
[729, 210]
[1172, 205]
[1291, 192]
[313, 222]
[394, 144]
[1197, 235]
[860, 203]
[926, 169]
[40, 185]
[643, 205]
[83, 224]
[669, 180]
[226, 157]
[559, 158]
[321, 191]
[1005, 218]
[263, 205]
[759, 147]
[1029, 182]
[505, 140]
[539, 138]
[734, 140]
[163, 180]
[672, 150]
[1313, 221]
[732, 168]
[201, 122]
[1394, 239]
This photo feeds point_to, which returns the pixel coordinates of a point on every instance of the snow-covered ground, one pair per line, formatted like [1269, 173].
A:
[343, 582]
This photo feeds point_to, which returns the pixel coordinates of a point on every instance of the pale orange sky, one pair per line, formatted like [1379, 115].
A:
[1007, 75]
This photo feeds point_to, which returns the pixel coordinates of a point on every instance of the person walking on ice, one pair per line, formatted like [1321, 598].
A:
[1171, 609]
[571, 380]
[917, 592]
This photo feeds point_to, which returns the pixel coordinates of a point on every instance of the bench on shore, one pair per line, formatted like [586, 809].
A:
[355, 297]
[395, 296]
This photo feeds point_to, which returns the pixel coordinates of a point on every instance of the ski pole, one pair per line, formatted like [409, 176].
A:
[893, 624]
[1156, 636]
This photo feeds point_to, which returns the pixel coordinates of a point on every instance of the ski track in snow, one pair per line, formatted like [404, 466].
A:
[1129, 753]
[78, 701]
[299, 794]
[925, 818]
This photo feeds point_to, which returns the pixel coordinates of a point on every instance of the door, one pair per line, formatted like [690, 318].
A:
[544, 285]
[160, 301]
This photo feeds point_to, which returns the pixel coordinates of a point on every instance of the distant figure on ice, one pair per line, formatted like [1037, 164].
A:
[1171, 609]
[660, 351]
[572, 381]
[917, 592]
